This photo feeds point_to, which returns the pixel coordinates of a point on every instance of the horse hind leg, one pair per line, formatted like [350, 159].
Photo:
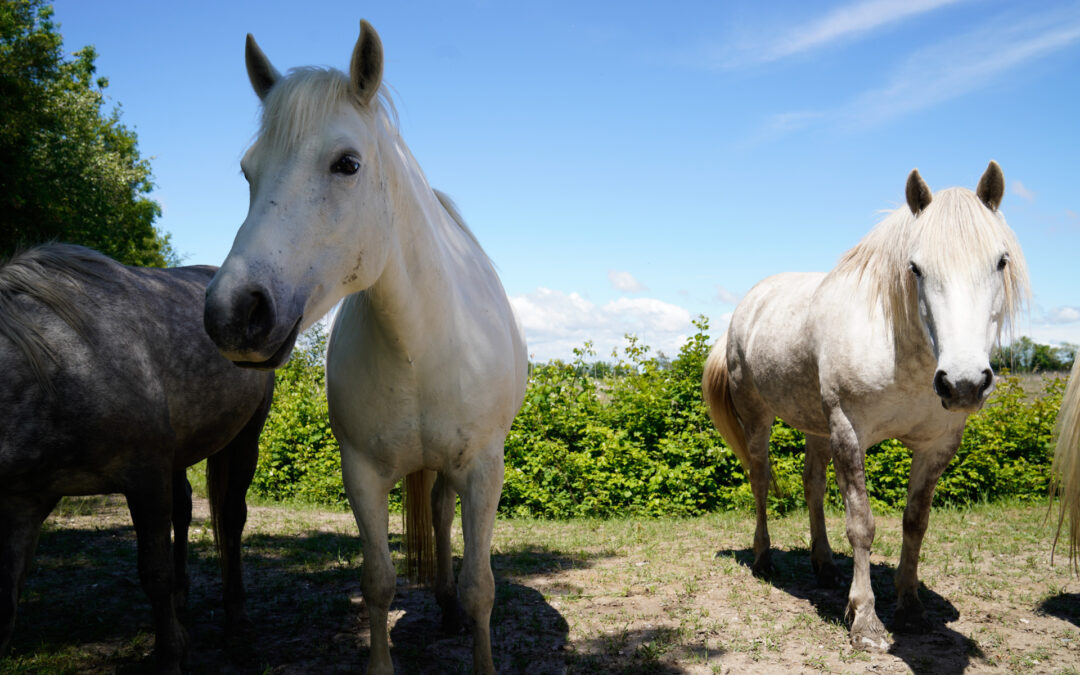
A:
[927, 465]
[757, 441]
[20, 525]
[181, 520]
[821, 559]
[479, 501]
[444, 500]
[229, 473]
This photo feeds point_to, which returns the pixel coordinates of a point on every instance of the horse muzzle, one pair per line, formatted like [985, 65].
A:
[961, 393]
[245, 324]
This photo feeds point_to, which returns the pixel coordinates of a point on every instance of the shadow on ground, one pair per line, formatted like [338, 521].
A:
[1065, 606]
[83, 610]
[941, 650]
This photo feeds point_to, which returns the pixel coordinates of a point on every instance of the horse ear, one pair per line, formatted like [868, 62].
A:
[365, 69]
[261, 72]
[991, 187]
[917, 192]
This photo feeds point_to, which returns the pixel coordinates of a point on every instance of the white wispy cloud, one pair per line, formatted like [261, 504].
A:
[556, 322]
[1021, 191]
[846, 23]
[625, 282]
[1063, 314]
[947, 70]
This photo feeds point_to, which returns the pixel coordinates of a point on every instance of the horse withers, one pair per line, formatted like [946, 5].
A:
[894, 342]
[426, 366]
[111, 386]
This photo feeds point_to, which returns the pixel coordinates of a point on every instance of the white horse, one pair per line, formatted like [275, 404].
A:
[892, 343]
[1066, 466]
[426, 365]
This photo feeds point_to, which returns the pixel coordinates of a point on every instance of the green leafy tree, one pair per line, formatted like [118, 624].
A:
[68, 170]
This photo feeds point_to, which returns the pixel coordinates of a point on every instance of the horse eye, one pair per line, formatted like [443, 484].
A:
[915, 270]
[1003, 262]
[346, 165]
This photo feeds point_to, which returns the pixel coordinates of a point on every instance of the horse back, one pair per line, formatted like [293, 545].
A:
[122, 388]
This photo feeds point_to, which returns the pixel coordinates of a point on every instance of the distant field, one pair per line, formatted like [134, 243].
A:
[587, 596]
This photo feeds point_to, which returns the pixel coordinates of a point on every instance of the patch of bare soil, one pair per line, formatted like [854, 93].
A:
[629, 596]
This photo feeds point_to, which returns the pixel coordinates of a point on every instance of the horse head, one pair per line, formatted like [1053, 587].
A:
[966, 273]
[319, 220]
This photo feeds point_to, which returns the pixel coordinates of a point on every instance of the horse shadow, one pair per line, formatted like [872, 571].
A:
[941, 650]
[1065, 606]
[304, 602]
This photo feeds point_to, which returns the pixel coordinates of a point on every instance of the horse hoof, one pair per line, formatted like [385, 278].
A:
[763, 567]
[869, 634]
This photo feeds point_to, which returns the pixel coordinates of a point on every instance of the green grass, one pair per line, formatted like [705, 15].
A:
[620, 595]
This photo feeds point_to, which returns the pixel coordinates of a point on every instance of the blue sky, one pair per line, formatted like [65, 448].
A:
[630, 165]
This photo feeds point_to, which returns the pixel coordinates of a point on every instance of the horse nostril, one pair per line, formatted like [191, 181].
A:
[988, 380]
[259, 313]
[941, 385]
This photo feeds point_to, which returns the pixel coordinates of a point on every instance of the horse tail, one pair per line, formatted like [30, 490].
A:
[1066, 465]
[716, 390]
[217, 487]
[419, 526]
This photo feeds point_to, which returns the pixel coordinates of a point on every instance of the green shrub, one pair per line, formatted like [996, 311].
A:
[634, 438]
[299, 458]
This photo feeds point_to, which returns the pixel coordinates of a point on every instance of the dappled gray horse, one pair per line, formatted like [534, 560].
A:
[111, 385]
[892, 343]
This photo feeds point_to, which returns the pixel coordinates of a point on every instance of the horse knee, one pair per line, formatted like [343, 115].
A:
[378, 583]
[477, 592]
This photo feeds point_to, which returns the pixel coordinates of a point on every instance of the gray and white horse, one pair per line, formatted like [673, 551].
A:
[426, 365]
[892, 343]
[111, 385]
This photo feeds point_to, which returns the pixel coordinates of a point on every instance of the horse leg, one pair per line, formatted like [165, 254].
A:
[442, 506]
[151, 513]
[867, 631]
[181, 520]
[479, 501]
[821, 559]
[757, 441]
[20, 524]
[368, 499]
[229, 473]
[927, 465]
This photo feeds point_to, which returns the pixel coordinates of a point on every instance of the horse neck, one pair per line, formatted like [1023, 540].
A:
[416, 286]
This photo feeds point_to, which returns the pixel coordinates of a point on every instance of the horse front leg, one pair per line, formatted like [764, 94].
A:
[20, 525]
[821, 558]
[444, 500]
[867, 631]
[368, 498]
[927, 465]
[151, 513]
[479, 501]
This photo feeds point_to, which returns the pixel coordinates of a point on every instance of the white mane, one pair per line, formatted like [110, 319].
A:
[957, 235]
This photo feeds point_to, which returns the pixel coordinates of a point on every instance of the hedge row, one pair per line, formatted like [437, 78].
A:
[636, 439]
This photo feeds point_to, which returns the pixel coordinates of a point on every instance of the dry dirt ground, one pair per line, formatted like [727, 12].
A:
[619, 596]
